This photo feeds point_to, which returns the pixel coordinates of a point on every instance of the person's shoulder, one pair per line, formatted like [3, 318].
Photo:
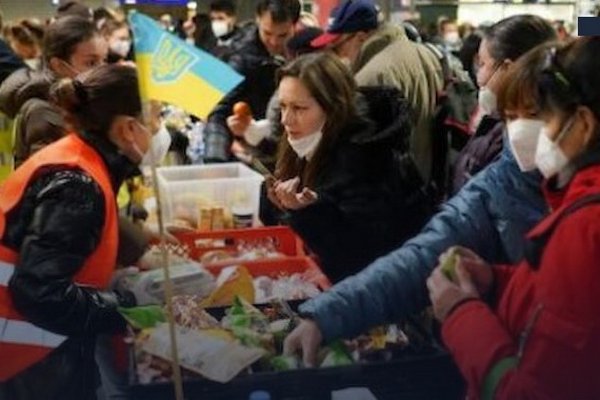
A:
[245, 38]
[67, 183]
[22, 85]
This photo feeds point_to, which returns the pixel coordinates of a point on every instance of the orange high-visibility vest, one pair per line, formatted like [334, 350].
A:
[22, 344]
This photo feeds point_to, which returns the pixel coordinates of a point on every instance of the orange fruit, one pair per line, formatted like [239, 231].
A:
[242, 109]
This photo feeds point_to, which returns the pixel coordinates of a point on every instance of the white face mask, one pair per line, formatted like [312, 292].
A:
[33, 63]
[306, 146]
[121, 47]
[523, 139]
[219, 28]
[487, 101]
[549, 157]
[452, 37]
[159, 147]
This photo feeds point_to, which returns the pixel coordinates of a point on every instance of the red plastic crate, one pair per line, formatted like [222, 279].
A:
[196, 244]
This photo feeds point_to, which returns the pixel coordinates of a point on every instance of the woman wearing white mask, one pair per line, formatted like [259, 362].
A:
[335, 169]
[58, 240]
[71, 46]
[116, 33]
[541, 338]
[501, 46]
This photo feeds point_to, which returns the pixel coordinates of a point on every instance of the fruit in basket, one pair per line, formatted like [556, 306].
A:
[448, 261]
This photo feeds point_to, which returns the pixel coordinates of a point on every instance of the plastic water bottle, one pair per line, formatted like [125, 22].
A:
[195, 150]
[259, 395]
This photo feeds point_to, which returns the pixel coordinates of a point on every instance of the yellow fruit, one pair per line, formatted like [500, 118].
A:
[448, 261]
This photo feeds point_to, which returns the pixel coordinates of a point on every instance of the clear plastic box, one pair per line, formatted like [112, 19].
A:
[186, 190]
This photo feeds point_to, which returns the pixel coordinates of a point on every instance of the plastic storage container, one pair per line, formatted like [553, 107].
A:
[185, 190]
[417, 375]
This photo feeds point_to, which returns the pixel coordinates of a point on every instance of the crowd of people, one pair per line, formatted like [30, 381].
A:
[386, 145]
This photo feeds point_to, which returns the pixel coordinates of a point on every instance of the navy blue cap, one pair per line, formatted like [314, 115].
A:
[348, 17]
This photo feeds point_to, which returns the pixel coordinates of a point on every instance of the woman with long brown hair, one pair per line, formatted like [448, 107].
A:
[336, 172]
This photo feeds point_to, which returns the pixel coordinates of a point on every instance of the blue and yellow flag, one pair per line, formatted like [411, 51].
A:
[175, 72]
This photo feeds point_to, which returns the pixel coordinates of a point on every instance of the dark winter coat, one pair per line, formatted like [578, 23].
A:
[482, 149]
[250, 58]
[25, 94]
[369, 200]
[54, 229]
[489, 215]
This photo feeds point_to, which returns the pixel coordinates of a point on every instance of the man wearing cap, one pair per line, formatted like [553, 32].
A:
[403, 64]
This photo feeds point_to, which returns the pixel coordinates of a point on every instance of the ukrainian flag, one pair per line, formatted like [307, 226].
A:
[175, 72]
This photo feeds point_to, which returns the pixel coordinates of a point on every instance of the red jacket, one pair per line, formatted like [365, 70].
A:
[559, 302]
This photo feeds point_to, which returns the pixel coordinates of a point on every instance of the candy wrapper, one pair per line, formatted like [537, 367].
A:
[148, 286]
[294, 287]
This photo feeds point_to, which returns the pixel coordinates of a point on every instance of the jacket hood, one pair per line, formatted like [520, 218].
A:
[384, 117]
[21, 86]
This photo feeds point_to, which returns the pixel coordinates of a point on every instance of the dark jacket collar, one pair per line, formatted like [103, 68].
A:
[234, 32]
[119, 166]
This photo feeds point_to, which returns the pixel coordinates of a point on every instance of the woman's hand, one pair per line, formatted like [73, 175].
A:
[480, 271]
[446, 295]
[238, 150]
[271, 182]
[305, 338]
[288, 196]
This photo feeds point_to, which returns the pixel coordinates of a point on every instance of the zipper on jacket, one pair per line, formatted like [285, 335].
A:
[527, 331]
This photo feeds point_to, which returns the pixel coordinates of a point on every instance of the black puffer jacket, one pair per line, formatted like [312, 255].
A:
[250, 58]
[370, 198]
[56, 226]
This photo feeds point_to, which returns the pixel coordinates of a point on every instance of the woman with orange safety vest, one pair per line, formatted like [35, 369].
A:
[58, 240]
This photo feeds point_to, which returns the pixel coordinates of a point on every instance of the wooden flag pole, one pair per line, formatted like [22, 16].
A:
[168, 285]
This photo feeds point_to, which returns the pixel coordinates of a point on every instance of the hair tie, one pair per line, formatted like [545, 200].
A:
[80, 91]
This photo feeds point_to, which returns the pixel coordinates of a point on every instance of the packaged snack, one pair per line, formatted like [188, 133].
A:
[189, 278]
[232, 281]
[212, 357]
